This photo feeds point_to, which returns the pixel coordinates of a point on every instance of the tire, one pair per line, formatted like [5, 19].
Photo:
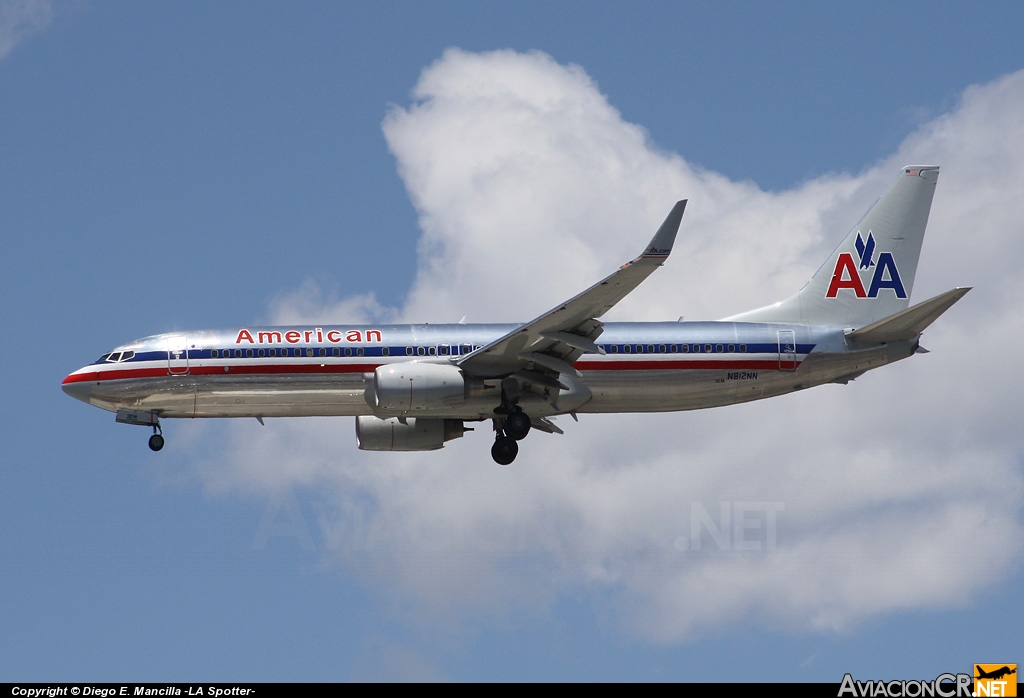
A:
[517, 425]
[504, 450]
[156, 442]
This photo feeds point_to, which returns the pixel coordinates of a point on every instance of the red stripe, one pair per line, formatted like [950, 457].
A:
[316, 368]
[248, 370]
[684, 365]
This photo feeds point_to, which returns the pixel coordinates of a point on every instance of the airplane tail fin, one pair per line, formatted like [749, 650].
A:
[871, 274]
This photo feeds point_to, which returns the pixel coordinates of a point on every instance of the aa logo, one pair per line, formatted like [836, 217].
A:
[847, 272]
[995, 680]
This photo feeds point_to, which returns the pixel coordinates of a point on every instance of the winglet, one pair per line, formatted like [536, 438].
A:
[661, 243]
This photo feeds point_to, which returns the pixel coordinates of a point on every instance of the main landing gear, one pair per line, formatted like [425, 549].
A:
[508, 431]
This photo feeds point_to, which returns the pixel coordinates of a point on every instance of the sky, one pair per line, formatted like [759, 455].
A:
[168, 167]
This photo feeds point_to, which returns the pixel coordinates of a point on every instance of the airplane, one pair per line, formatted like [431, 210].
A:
[415, 387]
[995, 674]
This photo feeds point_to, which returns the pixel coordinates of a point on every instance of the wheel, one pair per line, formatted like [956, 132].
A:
[504, 450]
[517, 425]
[156, 442]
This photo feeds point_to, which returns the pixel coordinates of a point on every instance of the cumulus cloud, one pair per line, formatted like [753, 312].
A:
[813, 511]
[20, 19]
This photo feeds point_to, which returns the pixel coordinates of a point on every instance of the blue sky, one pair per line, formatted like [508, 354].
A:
[168, 167]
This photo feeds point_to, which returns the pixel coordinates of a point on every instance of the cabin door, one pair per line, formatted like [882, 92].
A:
[787, 350]
[177, 356]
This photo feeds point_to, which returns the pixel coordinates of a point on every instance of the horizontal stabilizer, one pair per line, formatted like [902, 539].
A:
[908, 323]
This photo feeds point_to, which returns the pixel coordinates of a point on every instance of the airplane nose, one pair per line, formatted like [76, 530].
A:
[76, 387]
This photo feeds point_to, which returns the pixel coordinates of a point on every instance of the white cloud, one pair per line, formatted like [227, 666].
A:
[899, 491]
[20, 19]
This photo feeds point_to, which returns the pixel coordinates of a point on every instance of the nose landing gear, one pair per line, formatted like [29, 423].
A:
[144, 419]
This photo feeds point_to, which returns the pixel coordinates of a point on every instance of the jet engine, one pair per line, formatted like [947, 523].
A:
[407, 387]
[398, 434]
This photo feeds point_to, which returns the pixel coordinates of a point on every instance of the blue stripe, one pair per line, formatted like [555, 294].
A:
[401, 351]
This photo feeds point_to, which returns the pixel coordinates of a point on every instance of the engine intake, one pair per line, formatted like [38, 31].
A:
[412, 434]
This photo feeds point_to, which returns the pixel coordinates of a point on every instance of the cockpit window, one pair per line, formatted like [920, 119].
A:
[127, 355]
[102, 358]
[113, 357]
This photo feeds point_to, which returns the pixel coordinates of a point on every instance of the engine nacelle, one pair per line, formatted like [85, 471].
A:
[412, 434]
[407, 387]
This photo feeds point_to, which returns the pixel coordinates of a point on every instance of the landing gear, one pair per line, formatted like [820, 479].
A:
[517, 425]
[513, 427]
[156, 441]
[504, 450]
[143, 419]
[508, 431]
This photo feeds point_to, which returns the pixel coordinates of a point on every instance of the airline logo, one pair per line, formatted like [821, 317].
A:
[656, 252]
[847, 273]
[317, 335]
[995, 680]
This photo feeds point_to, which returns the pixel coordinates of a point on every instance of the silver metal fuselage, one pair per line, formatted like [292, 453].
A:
[328, 371]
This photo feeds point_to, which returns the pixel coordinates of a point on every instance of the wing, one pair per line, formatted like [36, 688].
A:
[547, 346]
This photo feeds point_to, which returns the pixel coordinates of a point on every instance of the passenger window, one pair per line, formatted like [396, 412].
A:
[260, 353]
[685, 348]
[732, 348]
[213, 353]
[661, 348]
[408, 351]
[650, 348]
[627, 348]
[309, 351]
[385, 352]
[432, 351]
[323, 351]
[696, 348]
[248, 353]
[238, 353]
[359, 351]
[443, 350]
[707, 348]
[272, 352]
[348, 351]
[674, 349]
[421, 351]
[615, 348]
[466, 348]
[743, 347]
[719, 348]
